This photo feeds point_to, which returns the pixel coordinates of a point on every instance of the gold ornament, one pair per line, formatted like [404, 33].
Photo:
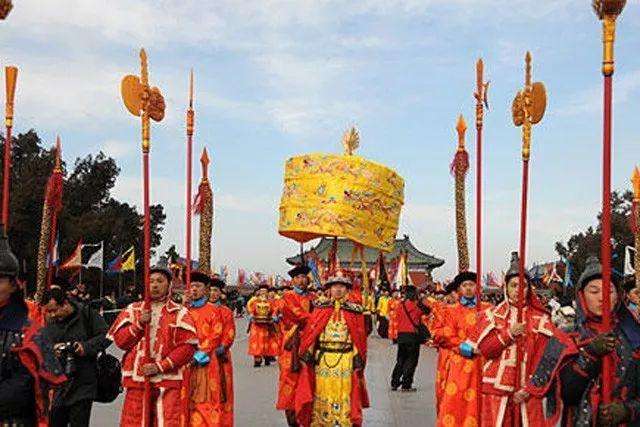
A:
[608, 11]
[351, 141]
[142, 100]
[528, 107]
[204, 207]
[5, 8]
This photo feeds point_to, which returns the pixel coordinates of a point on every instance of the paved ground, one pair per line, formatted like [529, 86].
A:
[255, 391]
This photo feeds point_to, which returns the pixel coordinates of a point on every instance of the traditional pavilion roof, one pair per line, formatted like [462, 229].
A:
[416, 259]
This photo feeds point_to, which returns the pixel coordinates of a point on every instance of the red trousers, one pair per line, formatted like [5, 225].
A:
[166, 408]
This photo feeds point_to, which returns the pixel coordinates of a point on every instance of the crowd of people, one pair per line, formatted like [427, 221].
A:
[500, 363]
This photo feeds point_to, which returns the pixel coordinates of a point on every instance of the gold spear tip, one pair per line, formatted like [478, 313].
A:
[143, 54]
[527, 57]
[204, 159]
[11, 76]
[635, 180]
[461, 126]
[58, 159]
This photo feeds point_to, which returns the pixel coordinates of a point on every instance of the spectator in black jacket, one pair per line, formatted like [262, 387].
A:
[78, 333]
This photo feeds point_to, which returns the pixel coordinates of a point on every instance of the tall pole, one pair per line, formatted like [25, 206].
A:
[608, 12]
[190, 126]
[481, 96]
[635, 180]
[11, 77]
[528, 109]
[145, 102]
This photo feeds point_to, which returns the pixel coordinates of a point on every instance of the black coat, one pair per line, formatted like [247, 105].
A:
[85, 326]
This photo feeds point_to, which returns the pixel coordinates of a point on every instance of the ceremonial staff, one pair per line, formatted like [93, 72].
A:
[204, 208]
[145, 102]
[481, 96]
[459, 168]
[50, 209]
[635, 212]
[608, 12]
[528, 109]
[190, 126]
[11, 76]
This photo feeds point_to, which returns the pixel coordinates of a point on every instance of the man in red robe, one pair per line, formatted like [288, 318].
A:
[331, 389]
[211, 385]
[264, 343]
[173, 341]
[458, 400]
[296, 308]
[496, 337]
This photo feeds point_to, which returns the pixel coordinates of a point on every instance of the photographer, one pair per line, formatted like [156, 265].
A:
[78, 334]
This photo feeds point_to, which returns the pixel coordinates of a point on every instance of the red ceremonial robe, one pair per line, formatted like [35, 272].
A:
[306, 385]
[498, 348]
[295, 313]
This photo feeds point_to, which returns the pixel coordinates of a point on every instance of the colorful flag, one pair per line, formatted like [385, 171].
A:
[129, 263]
[75, 260]
[97, 258]
[115, 266]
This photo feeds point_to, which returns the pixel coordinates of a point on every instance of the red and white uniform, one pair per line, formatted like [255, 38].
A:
[173, 342]
[498, 348]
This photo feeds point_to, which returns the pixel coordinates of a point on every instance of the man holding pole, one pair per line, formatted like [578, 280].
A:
[211, 385]
[296, 310]
[173, 342]
[496, 337]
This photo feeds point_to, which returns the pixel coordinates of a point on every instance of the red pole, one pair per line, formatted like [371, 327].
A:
[190, 117]
[480, 96]
[147, 292]
[6, 179]
[605, 254]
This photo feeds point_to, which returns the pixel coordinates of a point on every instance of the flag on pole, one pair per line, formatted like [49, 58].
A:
[75, 260]
[630, 253]
[115, 265]
[53, 258]
[129, 263]
[97, 258]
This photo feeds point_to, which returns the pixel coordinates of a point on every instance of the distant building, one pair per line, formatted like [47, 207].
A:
[420, 264]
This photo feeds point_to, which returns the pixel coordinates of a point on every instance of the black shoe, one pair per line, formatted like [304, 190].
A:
[394, 388]
[409, 389]
[267, 362]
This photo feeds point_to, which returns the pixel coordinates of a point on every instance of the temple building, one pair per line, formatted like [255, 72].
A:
[420, 264]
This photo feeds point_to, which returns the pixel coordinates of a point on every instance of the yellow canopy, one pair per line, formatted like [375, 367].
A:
[341, 195]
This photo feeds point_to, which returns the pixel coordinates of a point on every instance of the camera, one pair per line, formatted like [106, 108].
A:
[66, 355]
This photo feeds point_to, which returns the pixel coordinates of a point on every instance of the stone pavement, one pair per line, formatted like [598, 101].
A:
[255, 391]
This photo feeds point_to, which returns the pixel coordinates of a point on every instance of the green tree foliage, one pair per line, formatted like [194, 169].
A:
[582, 245]
[89, 211]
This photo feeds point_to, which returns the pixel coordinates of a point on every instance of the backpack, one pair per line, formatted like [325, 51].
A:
[109, 378]
[109, 370]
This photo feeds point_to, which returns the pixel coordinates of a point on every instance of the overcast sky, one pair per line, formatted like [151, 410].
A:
[279, 78]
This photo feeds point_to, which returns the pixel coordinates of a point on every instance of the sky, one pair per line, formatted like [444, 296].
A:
[276, 78]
